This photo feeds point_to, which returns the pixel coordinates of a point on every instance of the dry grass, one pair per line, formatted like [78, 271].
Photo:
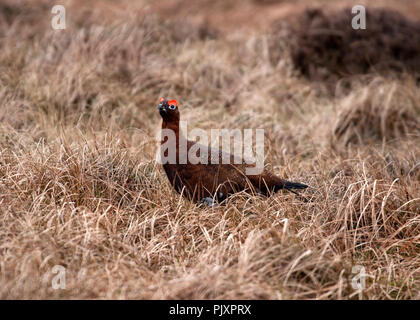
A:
[324, 46]
[381, 110]
[79, 185]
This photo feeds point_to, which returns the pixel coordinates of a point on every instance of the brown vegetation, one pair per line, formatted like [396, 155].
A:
[79, 185]
[383, 110]
[325, 46]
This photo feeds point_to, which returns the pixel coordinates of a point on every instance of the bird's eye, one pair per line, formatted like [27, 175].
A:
[172, 107]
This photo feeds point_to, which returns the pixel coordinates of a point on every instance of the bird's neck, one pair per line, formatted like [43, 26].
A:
[174, 126]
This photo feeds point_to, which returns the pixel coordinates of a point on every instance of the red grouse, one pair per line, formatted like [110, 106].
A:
[205, 181]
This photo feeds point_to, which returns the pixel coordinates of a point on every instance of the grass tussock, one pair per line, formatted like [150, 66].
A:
[324, 46]
[383, 110]
[80, 187]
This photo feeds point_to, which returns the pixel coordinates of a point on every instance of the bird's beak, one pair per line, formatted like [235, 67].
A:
[161, 107]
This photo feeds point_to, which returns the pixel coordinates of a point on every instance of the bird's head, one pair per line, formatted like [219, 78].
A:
[168, 110]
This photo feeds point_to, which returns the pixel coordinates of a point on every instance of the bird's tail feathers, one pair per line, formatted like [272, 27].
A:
[294, 185]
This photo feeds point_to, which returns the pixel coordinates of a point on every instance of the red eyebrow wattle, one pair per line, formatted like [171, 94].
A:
[173, 102]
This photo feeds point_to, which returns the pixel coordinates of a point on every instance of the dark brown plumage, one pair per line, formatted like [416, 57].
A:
[212, 181]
